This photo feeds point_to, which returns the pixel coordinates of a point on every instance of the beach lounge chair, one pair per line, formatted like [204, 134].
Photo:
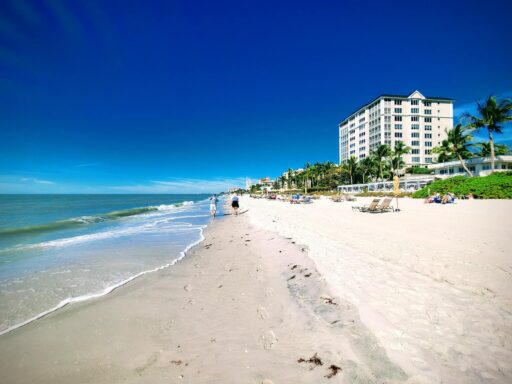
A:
[367, 208]
[384, 207]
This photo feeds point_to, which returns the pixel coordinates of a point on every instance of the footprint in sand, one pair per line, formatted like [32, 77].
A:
[269, 340]
[269, 292]
[262, 312]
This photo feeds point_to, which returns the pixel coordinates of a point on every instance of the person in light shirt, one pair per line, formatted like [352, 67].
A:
[213, 205]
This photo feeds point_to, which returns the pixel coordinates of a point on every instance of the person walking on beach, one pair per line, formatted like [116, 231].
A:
[213, 205]
[234, 204]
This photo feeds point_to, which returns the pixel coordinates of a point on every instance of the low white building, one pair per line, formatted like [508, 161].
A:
[479, 166]
[409, 184]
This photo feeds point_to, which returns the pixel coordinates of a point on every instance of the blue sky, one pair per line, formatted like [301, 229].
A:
[195, 96]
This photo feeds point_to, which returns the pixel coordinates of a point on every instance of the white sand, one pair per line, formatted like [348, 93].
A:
[432, 282]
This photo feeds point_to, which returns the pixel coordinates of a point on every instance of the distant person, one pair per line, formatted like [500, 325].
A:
[213, 205]
[234, 204]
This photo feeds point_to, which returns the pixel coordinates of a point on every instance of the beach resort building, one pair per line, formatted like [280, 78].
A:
[418, 121]
[479, 166]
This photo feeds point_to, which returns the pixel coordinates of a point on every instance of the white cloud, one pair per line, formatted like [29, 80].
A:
[37, 181]
[87, 165]
[183, 186]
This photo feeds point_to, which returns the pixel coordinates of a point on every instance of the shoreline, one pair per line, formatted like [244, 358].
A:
[246, 306]
[106, 291]
[263, 297]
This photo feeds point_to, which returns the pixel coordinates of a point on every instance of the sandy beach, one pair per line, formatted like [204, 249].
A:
[432, 282]
[298, 293]
[244, 306]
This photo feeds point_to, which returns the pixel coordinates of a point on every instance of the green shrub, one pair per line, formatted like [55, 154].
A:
[418, 171]
[495, 186]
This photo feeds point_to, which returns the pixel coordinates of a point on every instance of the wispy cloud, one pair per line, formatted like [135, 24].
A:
[87, 165]
[183, 186]
[37, 181]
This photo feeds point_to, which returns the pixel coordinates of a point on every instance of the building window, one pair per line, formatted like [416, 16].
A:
[415, 135]
[415, 143]
[415, 151]
[415, 126]
[398, 134]
[428, 127]
[486, 167]
[387, 110]
[398, 110]
[428, 135]
[428, 111]
[428, 143]
[415, 159]
[415, 110]
[387, 118]
[428, 151]
[472, 168]
[398, 118]
[461, 170]
[427, 103]
[428, 160]
[398, 126]
[415, 118]
[398, 102]
[451, 171]
[428, 119]
[415, 102]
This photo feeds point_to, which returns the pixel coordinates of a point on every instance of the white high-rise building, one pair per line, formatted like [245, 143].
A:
[418, 121]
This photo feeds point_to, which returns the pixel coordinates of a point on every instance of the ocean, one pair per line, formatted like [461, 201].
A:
[60, 249]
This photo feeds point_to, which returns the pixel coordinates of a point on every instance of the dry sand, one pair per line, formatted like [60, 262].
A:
[243, 307]
[433, 283]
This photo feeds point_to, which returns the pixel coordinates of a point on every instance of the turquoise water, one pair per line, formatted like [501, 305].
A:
[57, 249]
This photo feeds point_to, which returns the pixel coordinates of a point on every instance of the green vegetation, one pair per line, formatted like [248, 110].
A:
[492, 115]
[418, 171]
[494, 186]
[456, 146]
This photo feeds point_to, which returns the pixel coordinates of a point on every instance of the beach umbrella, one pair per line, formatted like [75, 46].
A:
[396, 189]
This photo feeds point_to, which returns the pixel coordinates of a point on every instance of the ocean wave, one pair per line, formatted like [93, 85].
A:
[86, 220]
[150, 227]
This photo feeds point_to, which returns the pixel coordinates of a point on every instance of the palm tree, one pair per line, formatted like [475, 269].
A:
[382, 152]
[351, 167]
[493, 114]
[456, 145]
[368, 167]
[396, 161]
[485, 149]
[290, 179]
